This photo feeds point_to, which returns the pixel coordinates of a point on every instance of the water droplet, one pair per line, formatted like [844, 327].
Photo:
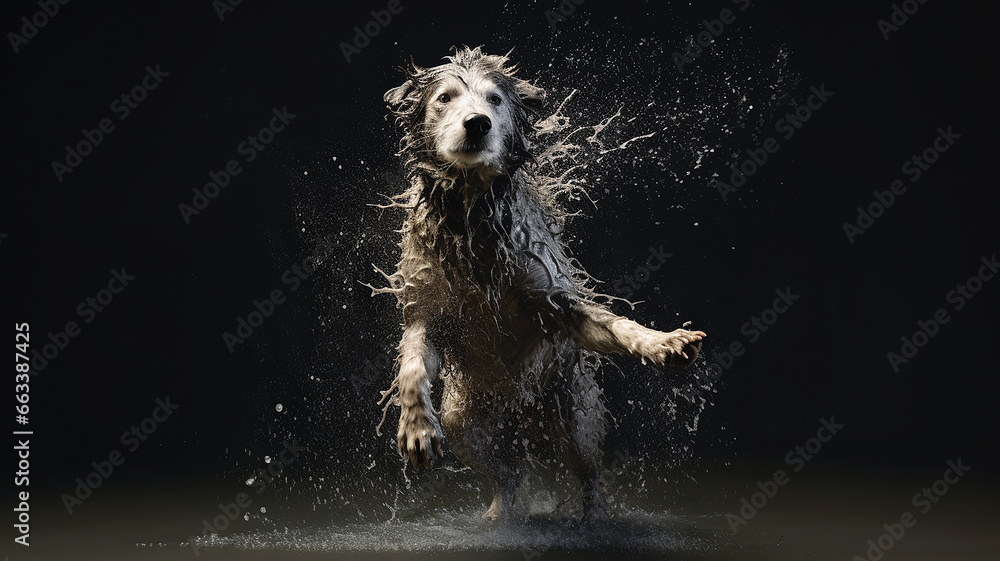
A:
[279, 407]
[263, 510]
[267, 459]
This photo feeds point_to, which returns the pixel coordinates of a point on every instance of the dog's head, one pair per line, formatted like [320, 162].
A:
[469, 115]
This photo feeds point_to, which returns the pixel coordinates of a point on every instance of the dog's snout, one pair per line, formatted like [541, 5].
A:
[477, 126]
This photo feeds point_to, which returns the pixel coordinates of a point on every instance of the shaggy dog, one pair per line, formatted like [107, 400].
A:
[492, 303]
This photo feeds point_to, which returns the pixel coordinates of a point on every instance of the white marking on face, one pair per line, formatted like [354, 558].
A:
[456, 100]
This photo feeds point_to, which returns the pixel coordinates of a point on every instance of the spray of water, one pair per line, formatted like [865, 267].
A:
[654, 142]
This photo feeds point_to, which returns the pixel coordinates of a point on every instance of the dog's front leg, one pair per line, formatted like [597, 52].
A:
[419, 436]
[597, 329]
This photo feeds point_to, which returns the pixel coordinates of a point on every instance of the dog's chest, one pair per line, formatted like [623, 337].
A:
[512, 250]
[501, 296]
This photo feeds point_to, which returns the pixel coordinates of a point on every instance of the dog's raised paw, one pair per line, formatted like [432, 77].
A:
[692, 350]
[679, 347]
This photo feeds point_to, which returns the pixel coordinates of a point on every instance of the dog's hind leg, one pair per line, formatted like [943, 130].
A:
[483, 440]
[505, 483]
[582, 419]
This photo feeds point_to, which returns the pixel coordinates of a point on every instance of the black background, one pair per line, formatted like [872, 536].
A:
[162, 335]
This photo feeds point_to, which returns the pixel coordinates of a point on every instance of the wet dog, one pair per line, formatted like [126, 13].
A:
[492, 303]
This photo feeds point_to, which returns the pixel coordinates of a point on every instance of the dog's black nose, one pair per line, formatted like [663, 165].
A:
[476, 126]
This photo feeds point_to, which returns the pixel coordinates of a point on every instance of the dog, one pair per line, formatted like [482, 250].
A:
[492, 302]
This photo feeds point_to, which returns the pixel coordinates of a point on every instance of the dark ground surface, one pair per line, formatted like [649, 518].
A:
[820, 513]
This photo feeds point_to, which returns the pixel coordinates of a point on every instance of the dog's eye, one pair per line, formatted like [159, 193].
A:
[444, 98]
[495, 99]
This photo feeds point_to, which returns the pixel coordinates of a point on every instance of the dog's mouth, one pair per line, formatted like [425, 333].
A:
[472, 146]
[470, 150]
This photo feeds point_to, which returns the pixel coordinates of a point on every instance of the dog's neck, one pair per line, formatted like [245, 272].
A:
[476, 180]
[462, 210]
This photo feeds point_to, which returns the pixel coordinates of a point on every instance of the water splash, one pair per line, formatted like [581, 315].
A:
[634, 531]
[652, 142]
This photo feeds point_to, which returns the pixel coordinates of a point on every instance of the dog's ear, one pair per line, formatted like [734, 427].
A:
[399, 97]
[531, 96]
[404, 98]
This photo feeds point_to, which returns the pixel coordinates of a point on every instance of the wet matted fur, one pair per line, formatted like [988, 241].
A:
[492, 302]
